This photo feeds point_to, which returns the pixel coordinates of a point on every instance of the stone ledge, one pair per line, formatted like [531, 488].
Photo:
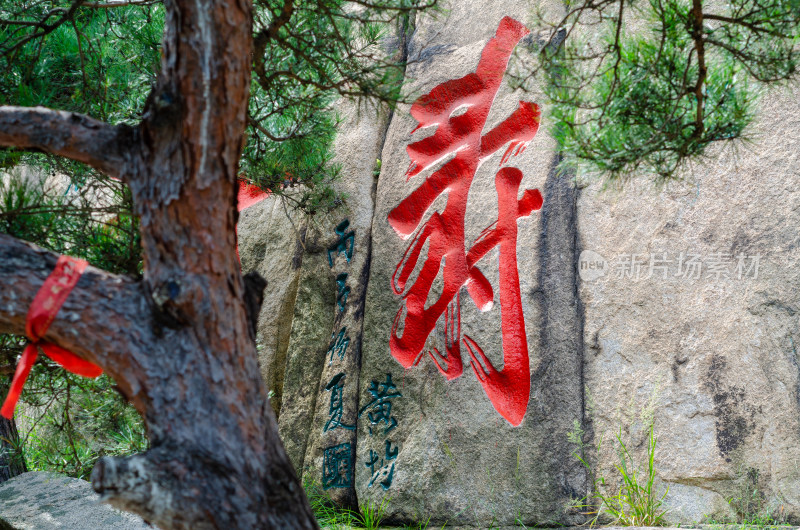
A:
[45, 501]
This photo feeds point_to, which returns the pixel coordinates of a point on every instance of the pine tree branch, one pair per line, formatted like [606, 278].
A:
[104, 319]
[756, 25]
[702, 69]
[105, 147]
[119, 3]
[43, 28]
[263, 37]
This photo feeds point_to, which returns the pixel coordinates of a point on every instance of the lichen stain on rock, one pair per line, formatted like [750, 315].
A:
[732, 425]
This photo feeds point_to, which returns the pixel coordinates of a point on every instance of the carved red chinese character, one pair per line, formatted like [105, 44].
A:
[247, 195]
[459, 109]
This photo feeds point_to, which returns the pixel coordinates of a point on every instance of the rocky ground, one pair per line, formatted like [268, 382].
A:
[47, 501]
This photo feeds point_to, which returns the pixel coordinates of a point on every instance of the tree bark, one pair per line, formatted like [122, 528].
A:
[12, 462]
[178, 343]
[68, 134]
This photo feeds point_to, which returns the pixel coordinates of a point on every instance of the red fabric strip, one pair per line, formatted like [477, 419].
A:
[70, 361]
[20, 376]
[44, 308]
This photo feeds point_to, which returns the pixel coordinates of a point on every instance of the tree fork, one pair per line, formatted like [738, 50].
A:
[179, 343]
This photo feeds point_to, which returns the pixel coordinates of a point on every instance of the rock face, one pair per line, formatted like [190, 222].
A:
[310, 328]
[461, 459]
[438, 348]
[705, 341]
[45, 501]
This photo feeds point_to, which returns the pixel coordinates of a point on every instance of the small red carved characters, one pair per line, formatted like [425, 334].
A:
[248, 195]
[459, 109]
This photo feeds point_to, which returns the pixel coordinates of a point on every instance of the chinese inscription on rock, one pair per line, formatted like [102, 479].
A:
[338, 461]
[460, 135]
[379, 413]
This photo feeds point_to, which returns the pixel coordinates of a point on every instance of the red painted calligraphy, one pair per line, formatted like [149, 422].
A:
[249, 195]
[459, 109]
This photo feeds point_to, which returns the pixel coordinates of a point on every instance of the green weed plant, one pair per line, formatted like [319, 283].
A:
[332, 517]
[751, 505]
[630, 500]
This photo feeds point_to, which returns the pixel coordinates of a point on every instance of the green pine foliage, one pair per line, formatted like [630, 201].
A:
[101, 63]
[92, 221]
[86, 57]
[645, 86]
[304, 63]
[67, 422]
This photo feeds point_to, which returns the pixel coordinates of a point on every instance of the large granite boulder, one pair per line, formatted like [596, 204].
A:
[47, 501]
[696, 317]
[463, 458]
[309, 331]
[456, 386]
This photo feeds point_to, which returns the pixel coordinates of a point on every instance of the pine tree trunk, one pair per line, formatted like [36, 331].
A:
[12, 462]
[180, 344]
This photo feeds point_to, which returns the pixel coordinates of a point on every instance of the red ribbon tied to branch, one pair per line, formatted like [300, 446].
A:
[46, 304]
